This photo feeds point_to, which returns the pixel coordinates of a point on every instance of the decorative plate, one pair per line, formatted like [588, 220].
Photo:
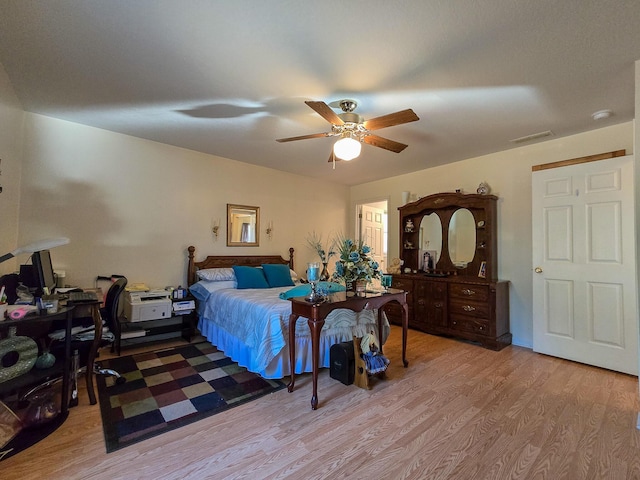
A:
[27, 353]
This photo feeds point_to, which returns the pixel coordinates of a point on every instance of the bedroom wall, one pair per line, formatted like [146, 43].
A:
[132, 206]
[509, 175]
[11, 118]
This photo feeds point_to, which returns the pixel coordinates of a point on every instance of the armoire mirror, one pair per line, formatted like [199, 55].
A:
[462, 237]
[457, 231]
[430, 239]
[243, 226]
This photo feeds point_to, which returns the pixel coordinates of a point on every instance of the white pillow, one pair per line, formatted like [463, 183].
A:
[218, 285]
[216, 274]
[202, 289]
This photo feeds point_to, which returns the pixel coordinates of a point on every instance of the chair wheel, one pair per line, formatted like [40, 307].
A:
[120, 380]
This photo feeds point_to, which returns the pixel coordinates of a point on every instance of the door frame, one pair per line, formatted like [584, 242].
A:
[382, 203]
[537, 261]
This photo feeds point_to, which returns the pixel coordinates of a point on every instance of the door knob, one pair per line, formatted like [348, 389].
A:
[538, 270]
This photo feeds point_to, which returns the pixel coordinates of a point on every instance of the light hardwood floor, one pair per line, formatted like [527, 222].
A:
[458, 412]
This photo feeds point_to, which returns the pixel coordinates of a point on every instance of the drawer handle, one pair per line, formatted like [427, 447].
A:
[468, 308]
[466, 291]
[438, 305]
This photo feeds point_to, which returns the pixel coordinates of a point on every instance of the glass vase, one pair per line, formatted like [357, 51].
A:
[47, 359]
[313, 276]
[324, 276]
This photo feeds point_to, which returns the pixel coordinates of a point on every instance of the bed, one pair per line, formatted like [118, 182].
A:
[250, 325]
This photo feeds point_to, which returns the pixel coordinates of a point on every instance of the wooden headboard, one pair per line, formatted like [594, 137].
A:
[228, 261]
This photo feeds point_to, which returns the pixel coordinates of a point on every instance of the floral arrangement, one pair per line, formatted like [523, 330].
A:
[315, 242]
[355, 262]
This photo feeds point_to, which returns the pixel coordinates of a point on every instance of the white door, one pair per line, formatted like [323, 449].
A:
[372, 231]
[584, 280]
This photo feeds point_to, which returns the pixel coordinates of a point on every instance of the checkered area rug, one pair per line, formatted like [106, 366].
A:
[169, 388]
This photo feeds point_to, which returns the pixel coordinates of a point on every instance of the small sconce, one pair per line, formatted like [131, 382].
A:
[270, 230]
[215, 228]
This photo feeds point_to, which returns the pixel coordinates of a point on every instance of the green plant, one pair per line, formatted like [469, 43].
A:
[315, 242]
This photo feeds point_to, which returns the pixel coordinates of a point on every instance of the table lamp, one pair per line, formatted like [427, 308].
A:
[45, 244]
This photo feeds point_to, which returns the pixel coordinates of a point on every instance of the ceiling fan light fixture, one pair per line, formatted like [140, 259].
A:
[347, 148]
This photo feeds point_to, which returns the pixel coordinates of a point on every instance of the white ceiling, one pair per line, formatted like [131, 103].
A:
[228, 77]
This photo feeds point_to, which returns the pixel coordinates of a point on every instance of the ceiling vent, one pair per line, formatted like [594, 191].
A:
[534, 136]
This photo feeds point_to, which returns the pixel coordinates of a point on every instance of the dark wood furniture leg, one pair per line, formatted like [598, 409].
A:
[93, 353]
[405, 329]
[316, 327]
[292, 350]
[67, 362]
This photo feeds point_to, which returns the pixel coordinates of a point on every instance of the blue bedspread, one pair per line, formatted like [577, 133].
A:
[253, 324]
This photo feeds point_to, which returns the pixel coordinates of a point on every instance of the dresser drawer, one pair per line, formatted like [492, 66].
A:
[476, 293]
[468, 308]
[405, 284]
[469, 324]
[402, 284]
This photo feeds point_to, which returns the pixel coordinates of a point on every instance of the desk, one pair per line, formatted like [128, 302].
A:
[317, 313]
[62, 367]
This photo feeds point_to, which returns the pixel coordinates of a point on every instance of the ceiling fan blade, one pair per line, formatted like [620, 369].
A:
[385, 143]
[303, 137]
[397, 118]
[325, 112]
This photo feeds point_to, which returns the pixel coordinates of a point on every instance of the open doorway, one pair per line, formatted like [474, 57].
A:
[372, 227]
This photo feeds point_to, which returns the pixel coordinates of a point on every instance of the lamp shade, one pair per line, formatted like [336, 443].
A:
[36, 247]
[347, 148]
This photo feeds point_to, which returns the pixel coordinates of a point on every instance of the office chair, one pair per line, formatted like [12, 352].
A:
[111, 311]
[109, 314]
[10, 281]
[87, 349]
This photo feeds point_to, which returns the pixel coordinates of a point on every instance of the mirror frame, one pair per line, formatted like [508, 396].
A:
[230, 212]
[484, 208]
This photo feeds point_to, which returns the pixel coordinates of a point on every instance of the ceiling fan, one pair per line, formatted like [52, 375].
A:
[353, 129]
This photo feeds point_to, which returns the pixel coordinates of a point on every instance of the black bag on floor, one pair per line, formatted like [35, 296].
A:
[342, 366]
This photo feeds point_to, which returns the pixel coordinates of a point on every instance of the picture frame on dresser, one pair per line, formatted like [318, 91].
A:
[482, 273]
[429, 260]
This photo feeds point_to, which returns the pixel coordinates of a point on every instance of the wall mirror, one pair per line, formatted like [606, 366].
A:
[462, 237]
[243, 226]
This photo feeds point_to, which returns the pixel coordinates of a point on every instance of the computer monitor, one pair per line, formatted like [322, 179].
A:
[45, 277]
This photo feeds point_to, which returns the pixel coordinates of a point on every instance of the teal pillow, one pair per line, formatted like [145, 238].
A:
[250, 277]
[278, 275]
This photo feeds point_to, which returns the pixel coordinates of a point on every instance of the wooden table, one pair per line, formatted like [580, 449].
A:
[317, 313]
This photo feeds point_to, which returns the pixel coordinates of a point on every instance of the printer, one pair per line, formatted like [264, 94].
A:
[183, 307]
[140, 306]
